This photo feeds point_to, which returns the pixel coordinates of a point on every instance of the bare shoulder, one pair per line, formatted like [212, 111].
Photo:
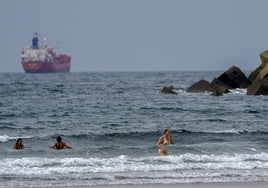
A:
[161, 139]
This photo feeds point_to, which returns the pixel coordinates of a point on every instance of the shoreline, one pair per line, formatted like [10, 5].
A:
[178, 185]
[192, 185]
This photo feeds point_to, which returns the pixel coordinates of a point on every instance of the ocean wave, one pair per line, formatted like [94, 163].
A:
[240, 91]
[135, 135]
[12, 126]
[232, 131]
[8, 115]
[9, 126]
[186, 166]
[6, 138]
[224, 132]
[176, 109]
[147, 135]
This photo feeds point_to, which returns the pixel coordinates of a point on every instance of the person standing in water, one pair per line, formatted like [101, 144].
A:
[19, 144]
[163, 142]
[60, 145]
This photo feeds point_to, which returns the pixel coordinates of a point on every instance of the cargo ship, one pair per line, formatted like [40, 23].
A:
[43, 59]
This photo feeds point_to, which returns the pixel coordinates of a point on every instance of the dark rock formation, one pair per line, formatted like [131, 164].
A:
[256, 83]
[200, 87]
[169, 90]
[234, 78]
[219, 87]
[230, 79]
[216, 87]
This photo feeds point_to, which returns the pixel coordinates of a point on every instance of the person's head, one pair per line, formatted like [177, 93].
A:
[59, 139]
[166, 132]
[19, 141]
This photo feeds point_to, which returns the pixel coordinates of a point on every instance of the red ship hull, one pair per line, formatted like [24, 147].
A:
[62, 64]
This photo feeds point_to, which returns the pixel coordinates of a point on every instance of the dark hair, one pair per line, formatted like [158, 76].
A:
[166, 130]
[59, 138]
[19, 139]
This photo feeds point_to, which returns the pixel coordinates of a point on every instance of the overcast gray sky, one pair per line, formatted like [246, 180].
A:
[138, 35]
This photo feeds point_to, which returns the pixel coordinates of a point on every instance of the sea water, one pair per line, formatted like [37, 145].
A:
[114, 120]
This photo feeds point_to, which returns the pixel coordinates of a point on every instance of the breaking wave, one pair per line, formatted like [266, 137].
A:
[186, 168]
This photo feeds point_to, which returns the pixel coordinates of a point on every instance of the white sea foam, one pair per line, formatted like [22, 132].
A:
[37, 165]
[6, 138]
[239, 91]
[233, 131]
[186, 168]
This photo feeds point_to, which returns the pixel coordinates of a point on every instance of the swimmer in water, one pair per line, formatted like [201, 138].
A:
[60, 145]
[19, 144]
[164, 142]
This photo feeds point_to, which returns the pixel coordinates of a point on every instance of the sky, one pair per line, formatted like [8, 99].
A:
[138, 35]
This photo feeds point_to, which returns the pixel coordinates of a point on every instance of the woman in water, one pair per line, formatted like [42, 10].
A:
[19, 144]
[164, 142]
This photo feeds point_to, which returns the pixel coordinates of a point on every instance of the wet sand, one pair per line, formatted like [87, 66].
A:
[197, 185]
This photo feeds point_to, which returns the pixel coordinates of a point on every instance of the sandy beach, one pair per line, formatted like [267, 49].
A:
[197, 185]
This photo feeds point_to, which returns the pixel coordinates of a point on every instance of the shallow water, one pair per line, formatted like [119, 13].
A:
[113, 121]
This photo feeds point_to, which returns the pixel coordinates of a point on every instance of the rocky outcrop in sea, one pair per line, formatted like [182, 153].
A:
[256, 83]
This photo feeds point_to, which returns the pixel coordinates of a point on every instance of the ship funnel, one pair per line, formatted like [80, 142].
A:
[35, 42]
